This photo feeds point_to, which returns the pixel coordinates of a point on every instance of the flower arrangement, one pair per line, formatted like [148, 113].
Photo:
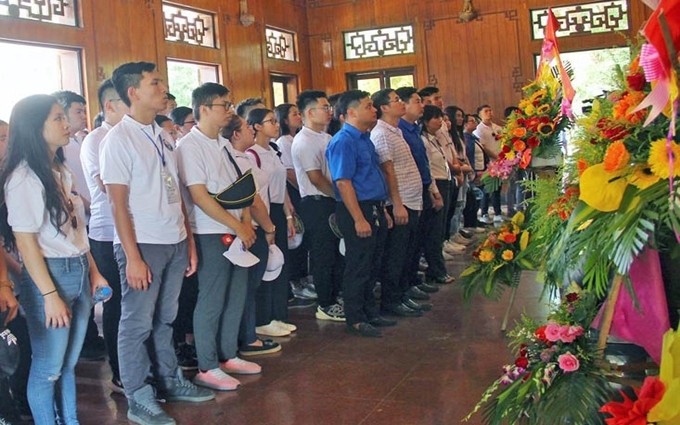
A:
[498, 260]
[532, 130]
[628, 191]
[554, 374]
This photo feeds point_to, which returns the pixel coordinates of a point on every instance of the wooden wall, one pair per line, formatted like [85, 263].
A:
[118, 31]
[483, 61]
[487, 60]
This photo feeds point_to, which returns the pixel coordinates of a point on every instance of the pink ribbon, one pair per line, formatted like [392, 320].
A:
[651, 63]
[547, 51]
[566, 108]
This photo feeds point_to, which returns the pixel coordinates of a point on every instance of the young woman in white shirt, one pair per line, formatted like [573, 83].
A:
[46, 222]
[272, 297]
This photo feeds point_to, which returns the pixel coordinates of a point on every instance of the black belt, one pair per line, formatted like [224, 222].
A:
[318, 198]
[380, 204]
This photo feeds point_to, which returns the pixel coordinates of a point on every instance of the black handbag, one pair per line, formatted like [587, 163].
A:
[239, 194]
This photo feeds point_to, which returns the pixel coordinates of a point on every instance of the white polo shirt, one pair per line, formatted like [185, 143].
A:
[131, 155]
[390, 145]
[285, 144]
[72, 158]
[26, 212]
[272, 167]
[101, 218]
[309, 153]
[202, 160]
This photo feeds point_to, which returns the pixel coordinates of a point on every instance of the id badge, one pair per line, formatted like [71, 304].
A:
[170, 187]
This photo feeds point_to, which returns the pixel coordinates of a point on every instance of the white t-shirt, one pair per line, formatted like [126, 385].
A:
[131, 155]
[101, 218]
[487, 136]
[202, 160]
[272, 167]
[72, 158]
[26, 212]
[285, 144]
[309, 153]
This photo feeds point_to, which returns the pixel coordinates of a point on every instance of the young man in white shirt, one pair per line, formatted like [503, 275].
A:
[207, 165]
[100, 230]
[153, 248]
[405, 203]
[487, 132]
[318, 202]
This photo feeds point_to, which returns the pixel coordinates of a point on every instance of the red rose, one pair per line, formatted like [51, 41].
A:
[521, 122]
[636, 81]
[545, 119]
[505, 149]
[522, 362]
[540, 334]
[572, 297]
[509, 238]
[533, 141]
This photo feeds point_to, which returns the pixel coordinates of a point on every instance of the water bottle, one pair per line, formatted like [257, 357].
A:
[102, 294]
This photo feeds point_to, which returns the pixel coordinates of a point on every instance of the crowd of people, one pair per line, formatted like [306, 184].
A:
[208, 223]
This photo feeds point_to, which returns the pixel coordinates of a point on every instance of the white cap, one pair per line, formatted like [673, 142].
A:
[239, 255]
[274, 263]
[295, 241]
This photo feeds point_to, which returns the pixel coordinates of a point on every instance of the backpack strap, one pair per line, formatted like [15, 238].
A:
[257, 157]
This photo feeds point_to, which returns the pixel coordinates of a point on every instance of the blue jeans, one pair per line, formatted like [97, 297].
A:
[52, 380]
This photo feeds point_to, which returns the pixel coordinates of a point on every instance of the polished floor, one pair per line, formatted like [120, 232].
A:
[429, 370]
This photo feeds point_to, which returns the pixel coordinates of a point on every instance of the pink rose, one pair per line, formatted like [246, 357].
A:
[568, 362]
[552, 332]
[569, 333]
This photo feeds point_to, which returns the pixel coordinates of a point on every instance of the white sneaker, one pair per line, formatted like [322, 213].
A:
[283, 325]
[485, 219]
[271, 330]
[452, 247]
[498, 219]
[461, 240]
[449, 257]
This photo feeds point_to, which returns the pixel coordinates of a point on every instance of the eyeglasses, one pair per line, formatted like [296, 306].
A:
[189, 122]
[325, 108]
[274, 121]
[72, 215]
[226, 105]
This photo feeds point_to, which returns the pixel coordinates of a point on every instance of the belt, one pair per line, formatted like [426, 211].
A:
[317, 198]
[380, 204]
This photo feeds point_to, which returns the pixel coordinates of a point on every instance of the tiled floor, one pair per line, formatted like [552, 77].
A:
[429, 370]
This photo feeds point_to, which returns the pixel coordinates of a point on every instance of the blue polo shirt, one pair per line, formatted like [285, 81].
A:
[411, 134]
[351, 155]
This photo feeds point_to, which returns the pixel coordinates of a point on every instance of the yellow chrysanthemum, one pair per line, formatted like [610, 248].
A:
[508, 255]
[643, 177]
[486, 255]
[510, 155]
[529, 110]
[659, 161]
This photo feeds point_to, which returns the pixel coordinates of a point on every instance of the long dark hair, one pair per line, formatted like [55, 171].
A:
[26, 143]
[281, 112]
[456, 131]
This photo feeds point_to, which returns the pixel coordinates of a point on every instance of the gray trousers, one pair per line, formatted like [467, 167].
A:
[149, 315]
[222, 289]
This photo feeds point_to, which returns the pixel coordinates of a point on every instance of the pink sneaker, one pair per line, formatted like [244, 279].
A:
[216, 379]
[240, 367]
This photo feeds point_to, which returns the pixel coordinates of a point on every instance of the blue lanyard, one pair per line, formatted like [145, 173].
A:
[161, 151]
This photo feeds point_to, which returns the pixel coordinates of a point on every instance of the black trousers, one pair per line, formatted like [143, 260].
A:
[102, 253]
[395, 262]
[325, 262]
[431, 229]
[271, 299]
[471, 207]
[451, 210]
[494, 198]
[362, 261]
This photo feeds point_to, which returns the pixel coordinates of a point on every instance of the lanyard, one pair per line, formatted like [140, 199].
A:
[161, 151]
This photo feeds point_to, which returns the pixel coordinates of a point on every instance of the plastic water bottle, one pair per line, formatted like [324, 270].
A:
[102, 294]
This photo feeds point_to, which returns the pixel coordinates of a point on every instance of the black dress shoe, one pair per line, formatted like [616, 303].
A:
[381, 322]
[417, 306]
[427, 288]
[415, 293]
[401, 310]
[464, 233]
[364, 329]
